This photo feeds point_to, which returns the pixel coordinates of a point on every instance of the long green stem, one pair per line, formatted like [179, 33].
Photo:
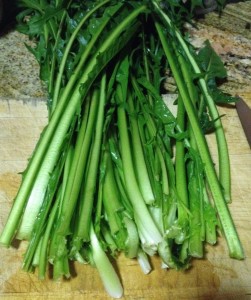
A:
[149, 233]
[78, 166]
[84, 220]
[153, 132]
[235, 248]
[196, 195]
[43, 260]
[111, 198]
[195, 241]
[61, 120]
[180, 165]
[180, 157]
[84, 57]
[53, 62]
[106, 271]
[224, 162]
[138, 154]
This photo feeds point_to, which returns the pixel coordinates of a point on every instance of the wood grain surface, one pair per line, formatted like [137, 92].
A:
[215, 277]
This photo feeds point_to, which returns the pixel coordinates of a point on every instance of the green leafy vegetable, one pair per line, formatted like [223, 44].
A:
[114, 170]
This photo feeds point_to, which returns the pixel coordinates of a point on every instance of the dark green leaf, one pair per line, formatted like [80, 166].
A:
[220, 97]
[211, 62]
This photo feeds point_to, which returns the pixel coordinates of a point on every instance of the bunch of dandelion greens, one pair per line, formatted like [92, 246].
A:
[114, 170]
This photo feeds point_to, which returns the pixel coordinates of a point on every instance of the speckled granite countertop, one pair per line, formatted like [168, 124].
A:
[19, 71]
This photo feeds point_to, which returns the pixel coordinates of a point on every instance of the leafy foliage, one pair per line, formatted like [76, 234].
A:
[214, 69]
[114, 169]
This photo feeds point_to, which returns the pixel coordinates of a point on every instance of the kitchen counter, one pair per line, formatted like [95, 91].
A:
[23, 115]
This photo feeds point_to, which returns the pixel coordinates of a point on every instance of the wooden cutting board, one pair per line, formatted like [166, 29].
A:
[23, 114]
